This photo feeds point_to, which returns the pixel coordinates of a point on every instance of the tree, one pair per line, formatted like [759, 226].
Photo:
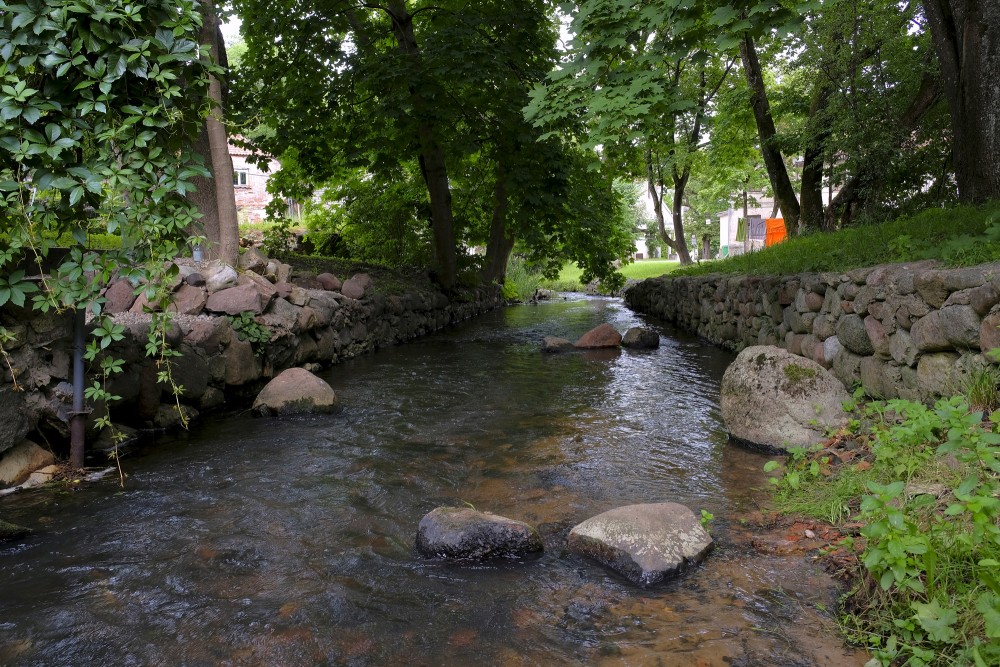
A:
[357, 86]
[350, 80]
[639, 82]
[215, 196]
[967, 40]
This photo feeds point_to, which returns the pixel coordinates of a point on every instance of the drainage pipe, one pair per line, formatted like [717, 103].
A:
[78, 417]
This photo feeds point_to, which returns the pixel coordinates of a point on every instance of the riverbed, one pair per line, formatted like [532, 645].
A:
[291, 541]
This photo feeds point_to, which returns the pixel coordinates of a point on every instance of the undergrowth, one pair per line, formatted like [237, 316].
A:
[520, 281]
[922, 483]
[961, 236]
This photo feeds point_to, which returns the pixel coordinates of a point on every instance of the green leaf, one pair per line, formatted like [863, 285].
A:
[989, 606]
[937, 621]
[723, 15]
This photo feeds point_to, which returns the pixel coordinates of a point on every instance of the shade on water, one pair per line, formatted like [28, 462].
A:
[291, 541]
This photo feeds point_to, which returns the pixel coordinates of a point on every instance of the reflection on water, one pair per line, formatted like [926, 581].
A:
[290, 542]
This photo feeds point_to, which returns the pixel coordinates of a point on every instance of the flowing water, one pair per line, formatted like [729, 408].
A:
[290, 541]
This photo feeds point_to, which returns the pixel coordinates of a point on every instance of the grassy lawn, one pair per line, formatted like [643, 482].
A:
[961, 236]
[569, 277]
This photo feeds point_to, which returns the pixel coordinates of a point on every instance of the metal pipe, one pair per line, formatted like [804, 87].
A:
[78, 418]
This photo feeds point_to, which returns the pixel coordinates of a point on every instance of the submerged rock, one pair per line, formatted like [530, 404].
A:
[641, 338]
[774, 398]
[556, 344]
[463, 533]
[603, 335]
[644, 543]
[10, 531]
[295, 391]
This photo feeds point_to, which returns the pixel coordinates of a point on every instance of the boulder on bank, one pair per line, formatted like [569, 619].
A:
[604, 335]
[462, 533]
[773, 398]
[644, 543]
[21, 460]
[641, 338]
[295, 391]
[555, 344]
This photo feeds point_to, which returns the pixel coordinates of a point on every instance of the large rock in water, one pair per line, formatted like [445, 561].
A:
[555, 344]
[774, 398]
[463, 533]
[644, 543]
[10, 531]
[295, 391]
[603, 335]
[641, 338]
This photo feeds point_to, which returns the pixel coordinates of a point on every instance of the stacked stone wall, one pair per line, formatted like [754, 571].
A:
[914, 331]
[311, 327]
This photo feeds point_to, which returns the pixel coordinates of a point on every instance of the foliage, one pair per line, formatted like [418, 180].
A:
[247, 328]
[960, 236]
[369, 221]
[354, 114]
[521, 281]
[99, 104]
[982, 389]
[927, 500]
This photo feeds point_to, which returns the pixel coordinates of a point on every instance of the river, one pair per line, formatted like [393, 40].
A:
[290, 541]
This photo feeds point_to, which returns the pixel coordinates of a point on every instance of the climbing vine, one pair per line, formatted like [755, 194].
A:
[99, 103]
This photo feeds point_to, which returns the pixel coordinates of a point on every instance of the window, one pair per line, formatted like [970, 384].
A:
[240, 176]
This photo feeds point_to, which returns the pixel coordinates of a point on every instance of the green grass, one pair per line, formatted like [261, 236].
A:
[926, 500]
[569, 277]
[961, 236]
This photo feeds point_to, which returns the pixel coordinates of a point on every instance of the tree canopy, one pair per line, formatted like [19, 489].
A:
[437, 90]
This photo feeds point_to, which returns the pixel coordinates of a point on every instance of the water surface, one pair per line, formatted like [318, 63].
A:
[290, 541]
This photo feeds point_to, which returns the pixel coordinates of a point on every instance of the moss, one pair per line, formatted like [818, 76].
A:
[796, 374]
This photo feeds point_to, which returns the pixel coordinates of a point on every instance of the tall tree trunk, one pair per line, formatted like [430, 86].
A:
[216, 200]
[501, 241]
[432, 160]
[654, 185]
[966, 37]
[781, 184]
[680, 182]
[857, 190]
[811, 198]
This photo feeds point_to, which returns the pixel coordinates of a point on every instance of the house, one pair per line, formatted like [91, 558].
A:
[250, 186]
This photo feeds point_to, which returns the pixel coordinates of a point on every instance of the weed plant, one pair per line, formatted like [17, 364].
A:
[962, 236]
[927, 497]
[521, 280]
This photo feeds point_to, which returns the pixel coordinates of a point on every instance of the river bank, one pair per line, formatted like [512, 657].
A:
[234, 330]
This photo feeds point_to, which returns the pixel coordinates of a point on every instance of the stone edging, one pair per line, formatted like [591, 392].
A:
[914, 331]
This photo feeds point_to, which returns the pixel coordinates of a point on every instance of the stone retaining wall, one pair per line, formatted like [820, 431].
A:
[913, 331]
[309, 326]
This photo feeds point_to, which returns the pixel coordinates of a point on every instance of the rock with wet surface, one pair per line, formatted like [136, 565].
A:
[555, 344]
[10, 531]
[773, 398]
[295, 391]
[603, 335]
[462, 533]
[645, 543]
[641, 338]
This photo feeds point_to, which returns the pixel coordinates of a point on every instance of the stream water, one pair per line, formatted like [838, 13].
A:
[290, 541]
